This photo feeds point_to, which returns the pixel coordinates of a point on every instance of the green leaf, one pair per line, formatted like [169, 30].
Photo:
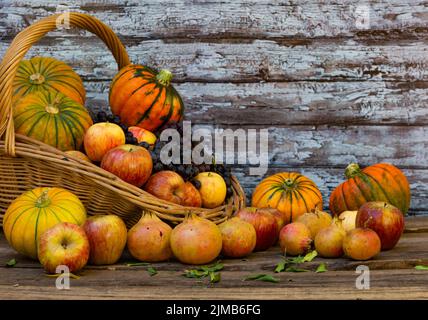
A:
[152, 271]
[11, 263]
[421, 267]
[280, 266]
[213, 267]
[262, 277]
[195, 273]
[136, 264]
[295, 269]
[215, 277]
[310, 256]
[321, 268]
[298, 259]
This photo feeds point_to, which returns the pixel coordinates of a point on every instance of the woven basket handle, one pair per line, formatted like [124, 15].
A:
[23, 42]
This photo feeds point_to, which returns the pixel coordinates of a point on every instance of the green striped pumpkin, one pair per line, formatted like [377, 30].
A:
[52, 118]
[37, 210]
[43, 73]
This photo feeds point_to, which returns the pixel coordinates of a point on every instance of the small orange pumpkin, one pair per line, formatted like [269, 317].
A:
[379, 182]
[291, 193]
[144, 98]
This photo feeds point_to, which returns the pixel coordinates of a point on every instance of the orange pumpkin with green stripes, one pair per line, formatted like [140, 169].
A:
[52, 118]
[37, 210]
[43, 73]
[379, 182]
[291, 193]
[144, 98]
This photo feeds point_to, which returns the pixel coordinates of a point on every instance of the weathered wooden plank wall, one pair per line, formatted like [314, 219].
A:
[330, 89]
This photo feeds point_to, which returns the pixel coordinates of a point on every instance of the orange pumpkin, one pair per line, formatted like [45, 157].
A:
[379, 182]
[44, 73]
[145, 98]
[291, 193]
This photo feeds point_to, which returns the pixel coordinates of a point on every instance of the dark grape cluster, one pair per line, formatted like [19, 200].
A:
[187, 171]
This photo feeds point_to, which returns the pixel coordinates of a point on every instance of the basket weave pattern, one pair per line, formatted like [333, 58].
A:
[26, 163]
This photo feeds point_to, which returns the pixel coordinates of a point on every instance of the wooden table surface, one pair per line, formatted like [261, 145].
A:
[392, 276]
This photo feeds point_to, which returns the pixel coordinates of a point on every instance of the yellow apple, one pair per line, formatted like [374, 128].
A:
[212, 190]
[102, 137]
[143, 135]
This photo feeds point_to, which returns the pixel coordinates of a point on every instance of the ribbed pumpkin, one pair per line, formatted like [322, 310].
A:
[43, 73]
[52, 118]
[379, 182]
[291, 193]
[35, 211]
[144, 98]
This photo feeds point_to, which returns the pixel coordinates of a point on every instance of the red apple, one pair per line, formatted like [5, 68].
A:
[102, 137]
[63, 244]
[385, 219]
[264, 223]
[107, 238]
[132, 164]
[170, 186]
[143, 135]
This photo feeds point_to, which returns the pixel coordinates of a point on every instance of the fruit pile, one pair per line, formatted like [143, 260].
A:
[50, 224]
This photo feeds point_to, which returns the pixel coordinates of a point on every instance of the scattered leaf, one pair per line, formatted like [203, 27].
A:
[194, 273]
[321, 268]
[205, 271]
[295, 269]
[310, 256]
[11, 263]
[152, 271]
[262, 277]
[136, 264]
[296, 260]
[421, 267]
[280, 266]
[215, 277]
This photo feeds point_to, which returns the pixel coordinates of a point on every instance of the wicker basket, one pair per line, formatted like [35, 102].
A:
[26, 163]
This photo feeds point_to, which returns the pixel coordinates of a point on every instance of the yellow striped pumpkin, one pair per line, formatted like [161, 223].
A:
[52, 118]
[43, 73]
[291, 193]
[37, 210]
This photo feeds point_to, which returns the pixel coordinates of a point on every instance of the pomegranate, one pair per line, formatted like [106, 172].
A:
[315, 221]
[361, 244]
[385, 219]
[196, 240]
[278, 216]
[239, 238]
[348, 219]
[329, 241]
[149, 239]
[295, 239]
[265, 224]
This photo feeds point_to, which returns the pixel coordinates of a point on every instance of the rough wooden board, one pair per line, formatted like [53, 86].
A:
[294, 103]
[329, 285]
[391, 277]
[410, 251]
[236, 19]
[247, 62]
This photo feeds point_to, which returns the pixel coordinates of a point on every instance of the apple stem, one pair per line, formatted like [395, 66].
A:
[43, 200]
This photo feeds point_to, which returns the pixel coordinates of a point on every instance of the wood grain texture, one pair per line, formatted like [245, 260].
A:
[235, 19]
[329, 89]
[27, 279]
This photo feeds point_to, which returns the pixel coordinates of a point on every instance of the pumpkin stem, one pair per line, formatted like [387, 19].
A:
[164, 77]
[43, 200]
[288, 183]
[37, 78]
[352, 170]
